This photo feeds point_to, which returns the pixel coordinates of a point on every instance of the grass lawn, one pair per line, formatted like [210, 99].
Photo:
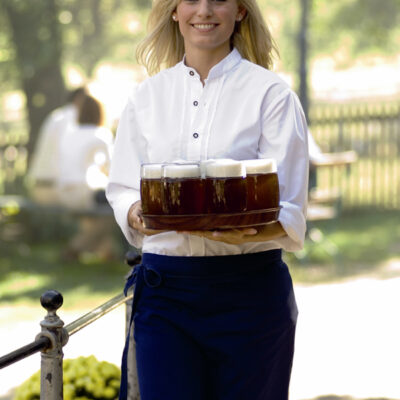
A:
[26, 271]
[355, 244]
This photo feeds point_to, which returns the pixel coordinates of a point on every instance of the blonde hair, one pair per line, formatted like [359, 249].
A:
[164, 45]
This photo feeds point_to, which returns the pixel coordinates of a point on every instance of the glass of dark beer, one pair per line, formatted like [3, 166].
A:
[225, 187]
[262, 184]
[183, 189]
[151, 189]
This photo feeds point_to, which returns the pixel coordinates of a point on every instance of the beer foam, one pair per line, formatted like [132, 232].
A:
[225, 168]
[151, 171]
[203, 166]
[181, 171]
[260, 166]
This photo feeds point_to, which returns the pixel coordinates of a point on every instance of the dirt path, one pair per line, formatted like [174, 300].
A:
[347, 341]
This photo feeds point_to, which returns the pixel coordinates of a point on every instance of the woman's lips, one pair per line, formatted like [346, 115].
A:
[204, 27]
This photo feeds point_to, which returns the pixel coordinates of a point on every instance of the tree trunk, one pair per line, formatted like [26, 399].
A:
[303, 55]
[37, 38]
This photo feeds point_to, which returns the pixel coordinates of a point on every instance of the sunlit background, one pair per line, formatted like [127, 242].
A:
[342, 57]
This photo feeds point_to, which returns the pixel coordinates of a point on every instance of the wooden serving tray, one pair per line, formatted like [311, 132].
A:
[211, 221]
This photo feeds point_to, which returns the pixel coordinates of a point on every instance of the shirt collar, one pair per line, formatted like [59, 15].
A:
[224, 66]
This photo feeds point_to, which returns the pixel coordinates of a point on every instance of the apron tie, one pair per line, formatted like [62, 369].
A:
[139, 276]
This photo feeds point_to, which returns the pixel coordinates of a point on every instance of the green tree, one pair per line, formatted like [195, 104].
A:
[303, 45]
[95, 31]
[373, 24]
[36, 38]
[359, 26]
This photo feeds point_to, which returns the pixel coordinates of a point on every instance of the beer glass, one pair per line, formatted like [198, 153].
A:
[262, 184]
[183, 189]
[225, 186]
[151, 188]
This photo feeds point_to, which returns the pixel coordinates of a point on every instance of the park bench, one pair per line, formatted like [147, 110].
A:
[325, 204]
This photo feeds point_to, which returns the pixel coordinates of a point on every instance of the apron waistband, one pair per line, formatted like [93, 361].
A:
[211, 265]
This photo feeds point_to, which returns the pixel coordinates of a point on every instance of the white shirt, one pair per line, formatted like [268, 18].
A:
[45, 160]
[243, 111]
[85, 150]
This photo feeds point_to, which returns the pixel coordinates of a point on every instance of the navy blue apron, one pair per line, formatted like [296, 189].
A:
[212, 328]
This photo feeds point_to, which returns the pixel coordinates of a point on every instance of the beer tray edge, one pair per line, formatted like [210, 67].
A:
[211, 221]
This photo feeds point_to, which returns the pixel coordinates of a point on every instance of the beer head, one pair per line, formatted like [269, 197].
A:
[260, 166]
[151, 171]
[203, 166]
[225, 168]
[177, 171]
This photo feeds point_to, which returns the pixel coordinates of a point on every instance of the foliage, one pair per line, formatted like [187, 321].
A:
[283, 18]
[35, 34]
[357, 243]
[8, 72]
[95, 31]
[41, 38]
[347, 29]
[84, 378]
[377, 26]
[91, 31]
[33, 260]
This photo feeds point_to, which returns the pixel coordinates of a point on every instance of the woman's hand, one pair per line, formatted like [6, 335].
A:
[261, 233]
[135, 220]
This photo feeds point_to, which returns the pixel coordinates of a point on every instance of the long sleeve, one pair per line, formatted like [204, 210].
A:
[123, 188]
[284, 137]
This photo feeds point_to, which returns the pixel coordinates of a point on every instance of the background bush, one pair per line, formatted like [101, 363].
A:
[84, 378]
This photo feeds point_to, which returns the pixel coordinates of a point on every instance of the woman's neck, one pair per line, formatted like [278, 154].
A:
[203, 60]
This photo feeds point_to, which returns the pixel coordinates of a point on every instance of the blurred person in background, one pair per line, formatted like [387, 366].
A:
[44, 171]
[84, 159]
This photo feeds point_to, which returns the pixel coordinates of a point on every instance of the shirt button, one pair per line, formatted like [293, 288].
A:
[195, 135]
[195, 103]
[191, 73]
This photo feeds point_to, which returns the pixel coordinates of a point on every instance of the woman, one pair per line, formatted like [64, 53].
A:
[43, 173]
[214, 312]
[84, 158]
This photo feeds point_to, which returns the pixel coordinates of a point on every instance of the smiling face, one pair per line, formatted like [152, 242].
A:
[207, 25]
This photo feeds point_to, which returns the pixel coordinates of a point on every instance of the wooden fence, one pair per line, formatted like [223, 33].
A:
[372, 129]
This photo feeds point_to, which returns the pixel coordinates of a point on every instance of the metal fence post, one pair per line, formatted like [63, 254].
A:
[51, 379]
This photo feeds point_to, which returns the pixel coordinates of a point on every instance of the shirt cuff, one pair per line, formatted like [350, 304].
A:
[293, 221]
[121, 206]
